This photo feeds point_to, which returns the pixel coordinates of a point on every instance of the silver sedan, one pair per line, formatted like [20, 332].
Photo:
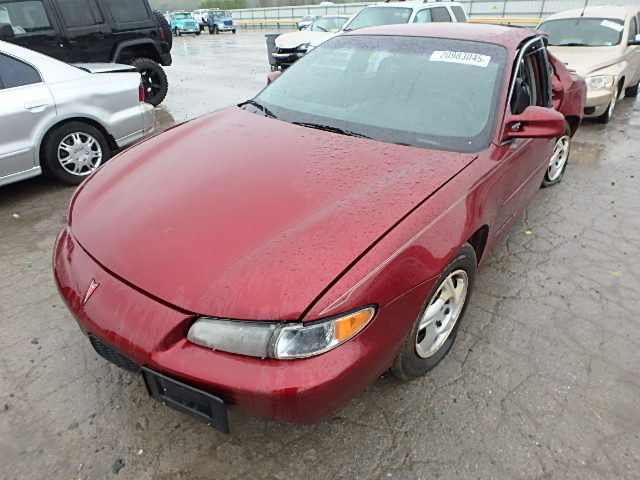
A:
[65, 120]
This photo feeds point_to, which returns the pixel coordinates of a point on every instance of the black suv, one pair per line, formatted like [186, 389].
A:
[122, 31]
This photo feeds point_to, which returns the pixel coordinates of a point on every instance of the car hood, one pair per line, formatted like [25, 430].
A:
[241, 216]
[586, 60]
[293, 39]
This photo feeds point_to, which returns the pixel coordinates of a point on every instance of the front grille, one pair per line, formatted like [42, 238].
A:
[228, 22]
[111, 354]
[190, 24]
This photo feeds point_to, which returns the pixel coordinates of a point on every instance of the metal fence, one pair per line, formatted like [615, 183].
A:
[505, 11]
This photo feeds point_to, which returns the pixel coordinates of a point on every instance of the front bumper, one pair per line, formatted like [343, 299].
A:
[153, 335]
[598, 101]
[286, 58]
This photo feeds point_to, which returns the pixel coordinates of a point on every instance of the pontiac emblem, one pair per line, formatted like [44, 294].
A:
[92, 288]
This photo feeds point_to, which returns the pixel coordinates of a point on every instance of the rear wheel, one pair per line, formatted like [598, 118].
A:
[74, 150]
[154, 80]
[198, 32]
[215, 29]
[211, 31]
[177, 32]
[436, 327]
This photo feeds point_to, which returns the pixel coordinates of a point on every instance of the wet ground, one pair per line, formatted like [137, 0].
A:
[542, 382]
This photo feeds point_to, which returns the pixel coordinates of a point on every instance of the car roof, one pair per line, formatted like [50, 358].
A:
[410, 4]
[510, 37]
[600, 11]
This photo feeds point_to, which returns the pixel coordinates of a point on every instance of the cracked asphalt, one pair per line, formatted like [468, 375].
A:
[542, 382]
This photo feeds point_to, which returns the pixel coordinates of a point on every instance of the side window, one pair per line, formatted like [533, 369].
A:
[530, 85]
[423, 16]
[80, 13]
[25, 16]
[633, 29]
[127, 11]
[440, 14]
[14, 73]
[459, 13]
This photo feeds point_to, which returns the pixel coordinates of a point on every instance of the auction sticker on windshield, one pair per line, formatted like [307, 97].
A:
[461, 57]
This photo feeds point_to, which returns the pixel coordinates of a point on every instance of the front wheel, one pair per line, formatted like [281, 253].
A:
[154, 80]
[215, 29]
[438, 321]
[73, 151]
[558, 161]
[198, 32]
[233, 31]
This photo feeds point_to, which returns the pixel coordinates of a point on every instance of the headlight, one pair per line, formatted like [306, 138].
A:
[279, 340]
[600, 81]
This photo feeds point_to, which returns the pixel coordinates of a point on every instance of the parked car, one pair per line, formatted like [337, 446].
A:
[183, 22]
[306, 21]
[310, 270]
[399, 12]
[201, 16]
[65, 120]
[602, 44]
[220, 21]
[120, 31]
[291, 46]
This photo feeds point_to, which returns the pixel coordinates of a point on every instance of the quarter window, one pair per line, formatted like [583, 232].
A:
[440, 14]
[127, 11]
[423, 16]
[14, 73]
[25, 17]
[80, 13]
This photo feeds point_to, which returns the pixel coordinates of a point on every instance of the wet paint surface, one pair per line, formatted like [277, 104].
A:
[541, 381]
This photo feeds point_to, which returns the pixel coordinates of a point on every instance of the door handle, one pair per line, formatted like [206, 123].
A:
[36, 105]
[99, 35]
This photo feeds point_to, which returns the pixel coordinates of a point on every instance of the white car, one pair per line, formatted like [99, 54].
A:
[306, 21]
[291, 46]
[201, 16]
[400, 12]
[65, 120]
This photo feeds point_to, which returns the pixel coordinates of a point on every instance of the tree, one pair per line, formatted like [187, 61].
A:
[224, 4]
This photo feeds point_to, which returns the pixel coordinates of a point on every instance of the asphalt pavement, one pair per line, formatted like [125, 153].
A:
[542, 382]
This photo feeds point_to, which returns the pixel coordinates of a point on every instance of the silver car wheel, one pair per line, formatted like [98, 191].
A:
[79, 153]
[441, 314]
[559, 158]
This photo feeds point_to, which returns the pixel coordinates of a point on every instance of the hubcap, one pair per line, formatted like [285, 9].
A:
[79, 153]
[559, 158]
[441, 314]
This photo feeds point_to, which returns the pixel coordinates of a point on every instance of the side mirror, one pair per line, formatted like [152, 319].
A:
[535, 122]
[6, 31]
[273, 75]
[635, 41]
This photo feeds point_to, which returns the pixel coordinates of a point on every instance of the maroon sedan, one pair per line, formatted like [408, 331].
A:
[336, 231]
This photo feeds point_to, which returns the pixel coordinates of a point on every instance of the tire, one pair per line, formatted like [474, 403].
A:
[178, 32]
[164, 26]
[421, 352]
[632, 91]
[211, 31]
[63, 155]
[154, 80]
[198, 33]
[559, 159]
[215, 30]
[233, 31]
[606, 116]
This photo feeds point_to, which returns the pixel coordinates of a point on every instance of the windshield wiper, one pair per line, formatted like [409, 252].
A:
[329, 128]
[265, 110]
[570, 44]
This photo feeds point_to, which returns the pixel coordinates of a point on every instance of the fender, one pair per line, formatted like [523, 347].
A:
[134, 43]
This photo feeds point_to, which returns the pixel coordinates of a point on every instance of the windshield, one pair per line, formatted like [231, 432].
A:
[583, 32]
[182, 16]
[221, 14]
[327, 24]
[424, 92]
[372, 17]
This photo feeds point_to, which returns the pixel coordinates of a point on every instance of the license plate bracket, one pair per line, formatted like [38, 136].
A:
[200, 404]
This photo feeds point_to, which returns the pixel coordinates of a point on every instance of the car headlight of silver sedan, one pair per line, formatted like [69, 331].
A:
[600, 81]
[279, 340]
